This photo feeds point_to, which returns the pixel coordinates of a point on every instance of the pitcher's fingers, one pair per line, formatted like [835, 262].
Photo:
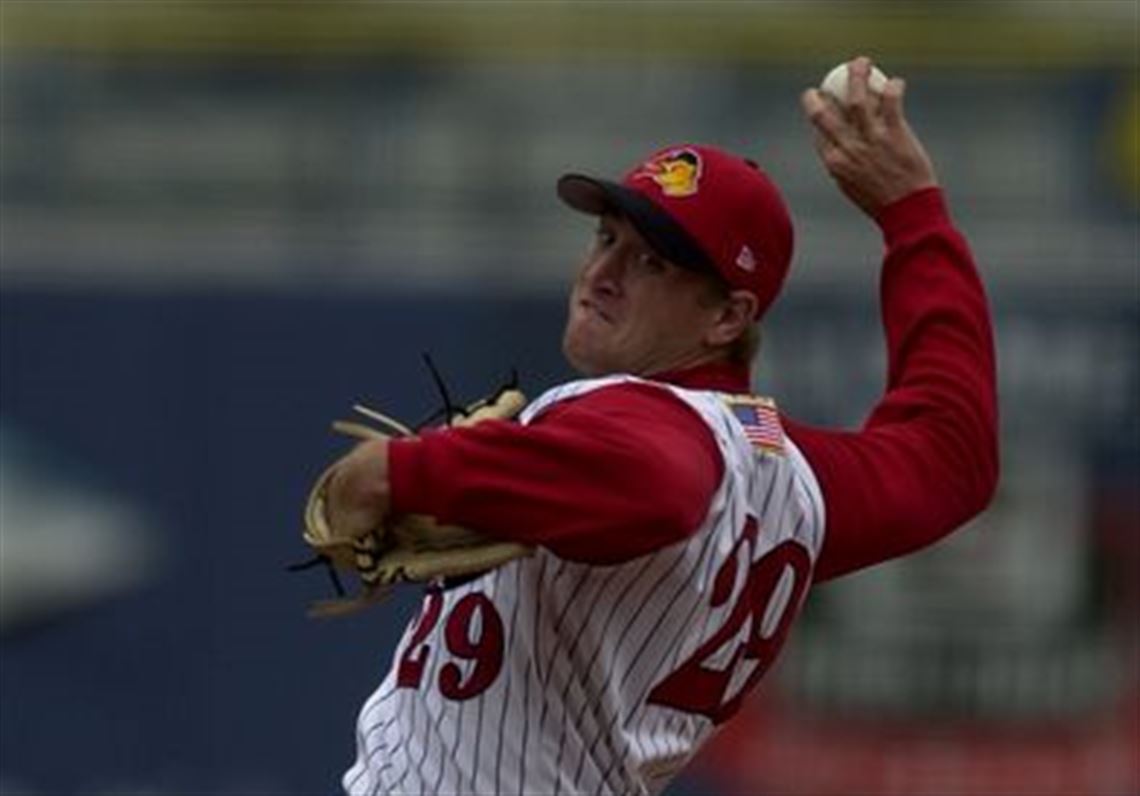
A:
[823, 114]
[859, 100]
[893, 102]
[822, 145]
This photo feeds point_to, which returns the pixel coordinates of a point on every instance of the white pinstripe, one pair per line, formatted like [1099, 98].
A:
[584, 646]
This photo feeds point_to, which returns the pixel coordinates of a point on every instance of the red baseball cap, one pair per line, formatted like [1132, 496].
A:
[701, 208]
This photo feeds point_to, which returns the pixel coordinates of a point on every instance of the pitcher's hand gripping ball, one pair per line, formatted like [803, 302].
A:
[409, 548]
[835, 83]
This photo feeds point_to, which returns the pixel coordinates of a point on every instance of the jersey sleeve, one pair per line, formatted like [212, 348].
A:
[604, 477]
[926, 460]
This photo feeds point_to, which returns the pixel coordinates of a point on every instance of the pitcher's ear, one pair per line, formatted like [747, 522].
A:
[735, 315]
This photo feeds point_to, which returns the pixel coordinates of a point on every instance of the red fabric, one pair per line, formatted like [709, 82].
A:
[926, 460]
[722, 376]
[731, 209]
[624, 470]
[603, 478]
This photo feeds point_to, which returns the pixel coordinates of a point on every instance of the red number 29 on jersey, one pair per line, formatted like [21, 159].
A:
[773, 590]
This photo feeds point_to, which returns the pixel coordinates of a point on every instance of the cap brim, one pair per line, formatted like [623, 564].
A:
[668, 238]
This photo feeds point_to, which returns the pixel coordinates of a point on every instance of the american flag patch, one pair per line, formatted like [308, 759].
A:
[760, 420]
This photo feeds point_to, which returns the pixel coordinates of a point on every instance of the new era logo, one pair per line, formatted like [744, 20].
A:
[746, 259]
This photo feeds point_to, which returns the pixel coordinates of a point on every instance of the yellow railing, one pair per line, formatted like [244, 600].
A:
[912, 33]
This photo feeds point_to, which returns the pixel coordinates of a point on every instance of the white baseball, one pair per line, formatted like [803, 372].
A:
[835, 83]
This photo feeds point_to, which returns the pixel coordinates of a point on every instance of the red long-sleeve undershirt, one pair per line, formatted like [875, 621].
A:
[626, 469]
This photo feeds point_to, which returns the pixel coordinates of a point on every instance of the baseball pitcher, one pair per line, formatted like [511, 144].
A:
[661, 525]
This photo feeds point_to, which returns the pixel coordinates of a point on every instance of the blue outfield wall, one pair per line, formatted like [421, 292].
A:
[210, 413]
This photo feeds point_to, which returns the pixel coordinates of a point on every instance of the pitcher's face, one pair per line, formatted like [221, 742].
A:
[631, 311]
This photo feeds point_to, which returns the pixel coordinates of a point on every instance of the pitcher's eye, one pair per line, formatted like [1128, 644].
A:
[651, 262]
[603, 236]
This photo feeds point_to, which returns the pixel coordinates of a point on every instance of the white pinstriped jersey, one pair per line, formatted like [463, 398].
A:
[550, 676]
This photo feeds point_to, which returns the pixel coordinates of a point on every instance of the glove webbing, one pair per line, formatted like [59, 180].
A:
[367, 548]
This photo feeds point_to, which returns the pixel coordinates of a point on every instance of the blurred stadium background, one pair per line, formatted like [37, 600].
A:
[224, 222]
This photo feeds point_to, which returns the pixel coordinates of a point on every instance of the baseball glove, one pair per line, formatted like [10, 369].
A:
[409, 548]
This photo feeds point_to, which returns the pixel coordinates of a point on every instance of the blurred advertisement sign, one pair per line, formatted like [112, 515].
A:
[776, 749]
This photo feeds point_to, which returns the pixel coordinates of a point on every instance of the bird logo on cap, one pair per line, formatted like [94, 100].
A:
[677, 173]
